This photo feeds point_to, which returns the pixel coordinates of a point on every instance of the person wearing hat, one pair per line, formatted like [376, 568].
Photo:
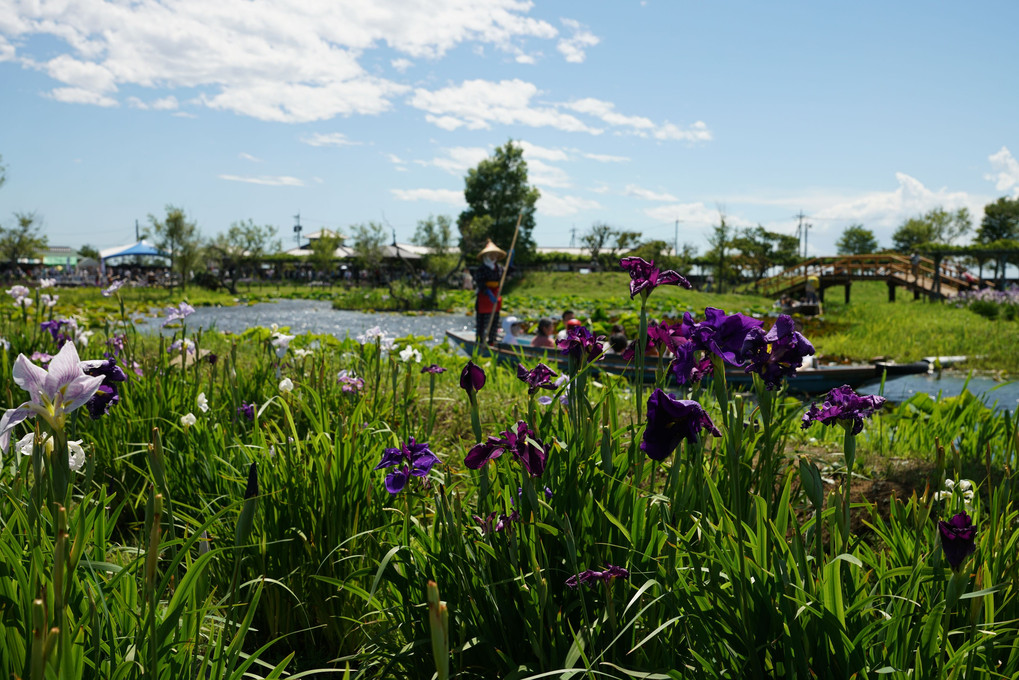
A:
[487, 278]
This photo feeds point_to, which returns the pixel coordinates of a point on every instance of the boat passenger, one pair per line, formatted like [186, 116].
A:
[617, 343]
[568, 316]
[512, 330]
[544, 337]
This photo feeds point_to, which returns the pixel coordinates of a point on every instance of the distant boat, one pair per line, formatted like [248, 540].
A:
[806, 380]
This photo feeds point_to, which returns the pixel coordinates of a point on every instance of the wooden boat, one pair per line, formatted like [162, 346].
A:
[807, 380]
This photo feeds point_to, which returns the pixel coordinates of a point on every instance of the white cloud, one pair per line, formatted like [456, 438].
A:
[541, 173]
[891, 208]
[264, 180]
[434, 195]
[273, 59]
[574, 48]
[542, 152]
[639, 125]
[524, 58]
[477, 104]
[74, 95]
[1007, 171]
[605, 158]
[248, 157]
[647, 194]
[458, 159]
[328, 139]
[694, 217]
[401, 64]
[165, 104]
[183, 114]
[554, 205]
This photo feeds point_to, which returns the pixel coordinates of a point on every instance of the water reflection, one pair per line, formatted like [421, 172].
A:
[317, 316]
[900, 388]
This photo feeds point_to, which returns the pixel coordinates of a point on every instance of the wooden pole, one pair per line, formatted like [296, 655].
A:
[502, 280]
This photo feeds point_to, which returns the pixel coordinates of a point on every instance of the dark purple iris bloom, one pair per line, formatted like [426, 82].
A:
[724, 334]
[489, 525]
[590, 576]
[472, 378]
[211, 358]
[107, 394]
[434, 369]
[844, 407]
[645, 276]
[580, 342]
[670, 421]
[538, 377]
[116, 345]
[411, 460]
[522, 443]
[958, 539]
[246, 410]
[53, 327]
[685, 366]
[777, 353]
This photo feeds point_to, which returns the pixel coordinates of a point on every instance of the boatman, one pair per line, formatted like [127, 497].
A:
[489, 302]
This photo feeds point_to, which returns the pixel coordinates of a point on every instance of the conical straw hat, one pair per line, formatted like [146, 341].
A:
[493, 250]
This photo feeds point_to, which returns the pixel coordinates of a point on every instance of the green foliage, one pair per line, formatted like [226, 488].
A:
[934, 226]
[760, 249]
[441, 262]
[1000, 222]
[498, 188]
[179, 239]
[23, 241]
[323, 251]
[240, 249]
[856, 240]
[87, 251]
[368, 242]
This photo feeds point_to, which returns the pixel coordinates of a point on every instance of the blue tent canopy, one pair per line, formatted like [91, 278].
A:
[131, 249]
[141, 248]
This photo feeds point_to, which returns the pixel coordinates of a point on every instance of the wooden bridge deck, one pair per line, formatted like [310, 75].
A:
[936, 281]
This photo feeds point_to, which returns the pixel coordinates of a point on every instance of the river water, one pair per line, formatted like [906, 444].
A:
[317, 316]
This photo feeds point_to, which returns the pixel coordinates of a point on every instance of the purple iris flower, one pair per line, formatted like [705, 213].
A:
[590, 576]
[670, 421]
[777, 353]
[538, 377]
[54, 327]
[116, 344]
[685, 366]
[522, 443]
[434, 369]
[107, 394]
[472, 378]
[489, 525]
[580, 342]
[52, 392]
[844, 407]
[178, 313]
[247, 410]
[411, 460]
[958, 539]
[645, 276]
[724, 334]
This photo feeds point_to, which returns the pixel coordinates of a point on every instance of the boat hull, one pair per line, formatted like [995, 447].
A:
[806, 380]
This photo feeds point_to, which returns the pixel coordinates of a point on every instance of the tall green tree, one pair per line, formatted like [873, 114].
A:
[368, 241]
[239, 250]
[760, 249]
[1001, 221]
[441, 261]
[179, 239]
[934, 226]
[22, 241]
[856, 240]
[89, 252]
[498, 188]
[721, 241]
[323, 251]
[596, 238]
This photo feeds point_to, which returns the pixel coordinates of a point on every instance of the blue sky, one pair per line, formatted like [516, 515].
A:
[632, 113]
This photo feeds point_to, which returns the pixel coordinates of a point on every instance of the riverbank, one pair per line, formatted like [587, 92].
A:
[870, 327]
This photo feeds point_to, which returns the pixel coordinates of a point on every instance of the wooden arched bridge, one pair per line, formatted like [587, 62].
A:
[937, 281]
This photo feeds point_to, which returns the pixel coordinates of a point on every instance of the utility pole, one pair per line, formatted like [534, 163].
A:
[806, 228]
[297, 228]
[675, 244]
[136, 236]
[573, 235]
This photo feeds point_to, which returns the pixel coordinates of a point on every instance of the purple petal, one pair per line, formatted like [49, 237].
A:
[29, 377]
[11, 417]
